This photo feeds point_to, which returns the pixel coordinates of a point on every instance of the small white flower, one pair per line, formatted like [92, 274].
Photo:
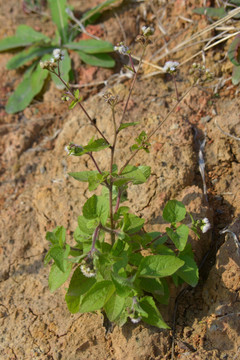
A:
[205, 225]
[135, 320]
[87, 271]
[121, 48]
[42, 64]
[147, 30]
[170, 66]
[68, 150]
[58, 54]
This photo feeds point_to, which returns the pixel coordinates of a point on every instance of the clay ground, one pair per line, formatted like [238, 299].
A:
[36, 193]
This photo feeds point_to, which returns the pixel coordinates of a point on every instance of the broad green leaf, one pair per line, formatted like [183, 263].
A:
[174, 211]
[86, 227]
[123, 285]
[189, 271]
[96, 207]
[26, 91]
[96, 145]
[153, 286]
[91, 46]
[73, 303]
[57, 277]
[93, 145]
[25, 36]
[65, 68]
[60, 17]
[211, 12]
[97, 296]
[164, 298]
[28, 55]
[80, 284]
[132, 223]
[100, 60]
[155, 237]
[139, 175]
[60, 255]
[83, 175]
[95, 12]
[236, 75]
[179, 236]
[60, 233]
[125, 125]
[154, 317]
[159, 266]
[114, 306]
[234, 51]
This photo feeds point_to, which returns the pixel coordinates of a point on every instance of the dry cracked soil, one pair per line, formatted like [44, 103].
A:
[36, 193]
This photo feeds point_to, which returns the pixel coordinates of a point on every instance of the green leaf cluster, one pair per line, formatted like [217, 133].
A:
[125, 284]
[34, 46]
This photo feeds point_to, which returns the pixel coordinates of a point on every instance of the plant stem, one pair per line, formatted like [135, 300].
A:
[176, 89]
[94, 239]
[112, 148]
[157, 128]
[132, 85]
[95, 163]
[58, 74]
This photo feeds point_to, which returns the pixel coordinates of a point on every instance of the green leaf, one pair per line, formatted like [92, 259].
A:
[179, 237]
[153, 286]
[60, 255]
[26, 90]
[174, 211]
[80, 284]
[163, 299]
[57, 236]
[154, 317]
[57, 277]
[83, 175]
[132, 223]
[189, 271]
[96, 207]
[159, 266]
[138, 175]
[96, 145]
[86, 227]
[65, 68]
[236, 75]
[100, 60]
[94, 13]
[234, 51]
[60, 17]
[97, 296]
[28, 55]
[211, 12]
[114, 306]
[91, 46]
[73, 303]
[25, 36]
[125, 125]
[123, 285]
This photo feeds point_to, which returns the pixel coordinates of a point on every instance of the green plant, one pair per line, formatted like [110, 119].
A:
[39, 46]
[234, 56]
[111, 274]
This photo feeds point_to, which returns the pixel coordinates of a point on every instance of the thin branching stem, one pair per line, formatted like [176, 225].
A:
[58, 74]
[157, 128]
[132, 85]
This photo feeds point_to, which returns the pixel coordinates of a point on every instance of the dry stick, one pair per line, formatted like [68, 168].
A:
[225, 133]
[157, 128]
